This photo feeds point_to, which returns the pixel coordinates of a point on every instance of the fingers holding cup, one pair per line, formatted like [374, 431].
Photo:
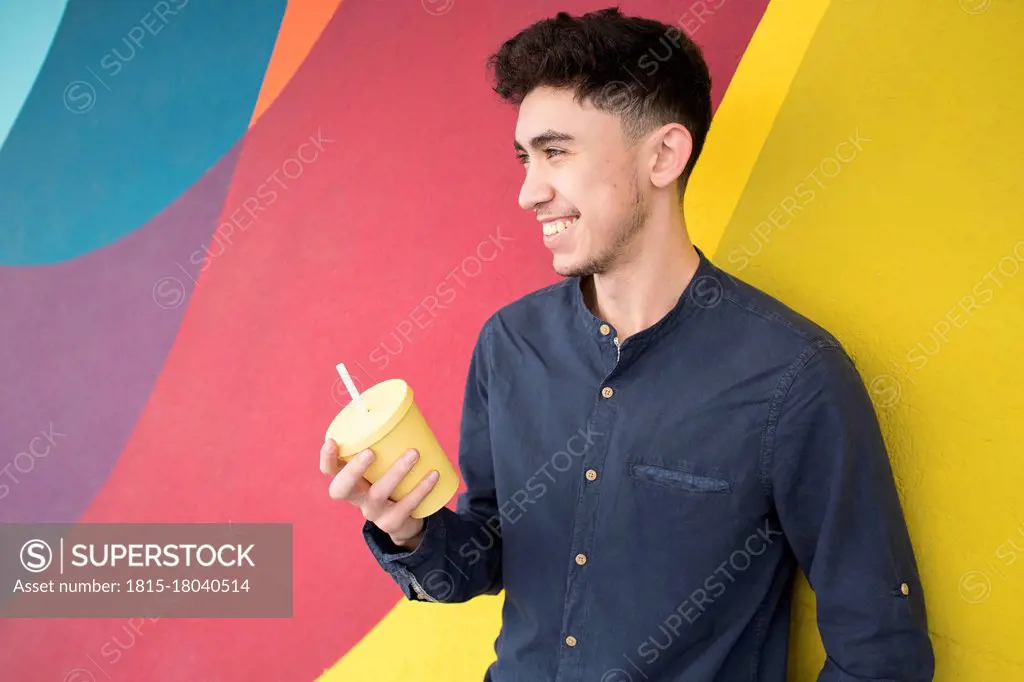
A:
[349, 483]
[378, 498]
[405, 507]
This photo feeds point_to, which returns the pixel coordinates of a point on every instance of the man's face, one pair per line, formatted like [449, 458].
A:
[581, 181]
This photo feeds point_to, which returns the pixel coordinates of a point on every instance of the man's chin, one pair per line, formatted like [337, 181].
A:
[570, 267]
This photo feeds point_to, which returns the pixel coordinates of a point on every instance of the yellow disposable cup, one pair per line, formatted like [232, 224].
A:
[391, 425]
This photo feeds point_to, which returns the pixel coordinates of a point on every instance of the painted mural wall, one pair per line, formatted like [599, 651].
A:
[205, 206]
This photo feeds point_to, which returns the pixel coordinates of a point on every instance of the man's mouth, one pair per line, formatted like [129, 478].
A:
[553, 227]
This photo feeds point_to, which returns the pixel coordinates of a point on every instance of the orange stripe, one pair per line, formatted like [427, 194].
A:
[303, 22]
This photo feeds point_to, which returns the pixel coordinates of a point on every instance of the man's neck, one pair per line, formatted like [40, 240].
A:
[637, 292]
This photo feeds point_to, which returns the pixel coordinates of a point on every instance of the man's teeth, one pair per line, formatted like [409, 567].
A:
[556, 226]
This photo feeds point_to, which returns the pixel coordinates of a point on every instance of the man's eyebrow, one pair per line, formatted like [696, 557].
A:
[545, 138]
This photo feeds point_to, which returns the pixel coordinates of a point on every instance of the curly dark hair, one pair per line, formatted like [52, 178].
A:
[647, 72]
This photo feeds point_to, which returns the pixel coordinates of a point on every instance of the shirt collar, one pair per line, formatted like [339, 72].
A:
[700, 292]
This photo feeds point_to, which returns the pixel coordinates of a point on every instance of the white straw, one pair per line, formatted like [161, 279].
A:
[352, 391]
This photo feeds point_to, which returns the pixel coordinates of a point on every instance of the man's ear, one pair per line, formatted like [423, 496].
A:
[672, 146]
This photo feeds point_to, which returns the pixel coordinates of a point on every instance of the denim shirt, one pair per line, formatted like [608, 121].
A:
[645, 505]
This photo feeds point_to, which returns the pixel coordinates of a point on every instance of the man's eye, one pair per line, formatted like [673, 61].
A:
[548, 152]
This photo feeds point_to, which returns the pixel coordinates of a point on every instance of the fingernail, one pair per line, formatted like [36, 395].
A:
[411, 456]
[434, 475]
[365, 456]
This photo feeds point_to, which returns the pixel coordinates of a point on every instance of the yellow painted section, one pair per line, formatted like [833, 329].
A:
[746, 115]
[909, 245]
[424, 642]
[876, 190]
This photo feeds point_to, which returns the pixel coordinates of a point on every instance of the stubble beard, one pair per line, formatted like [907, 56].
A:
[609, 257]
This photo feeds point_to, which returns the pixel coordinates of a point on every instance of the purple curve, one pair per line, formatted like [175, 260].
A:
[83, 343]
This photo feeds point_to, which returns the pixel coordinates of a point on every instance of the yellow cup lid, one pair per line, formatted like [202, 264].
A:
[386, 404]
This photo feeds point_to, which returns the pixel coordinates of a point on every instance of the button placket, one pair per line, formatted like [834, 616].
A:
[579, 591]
[607, 329]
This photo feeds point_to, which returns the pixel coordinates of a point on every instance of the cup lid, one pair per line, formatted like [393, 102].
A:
[386, 404]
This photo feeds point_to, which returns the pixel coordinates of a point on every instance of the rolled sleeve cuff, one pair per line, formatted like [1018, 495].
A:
[400, 563]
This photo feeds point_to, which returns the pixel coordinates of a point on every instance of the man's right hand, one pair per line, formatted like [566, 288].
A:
[374, 500]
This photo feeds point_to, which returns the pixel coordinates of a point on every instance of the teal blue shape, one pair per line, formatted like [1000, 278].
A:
[135, 101]
[26, 31]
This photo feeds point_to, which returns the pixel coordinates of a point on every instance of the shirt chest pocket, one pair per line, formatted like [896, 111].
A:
[709, 504]
[666, 496]
[680, 495]
[657, 474]
[679, 478]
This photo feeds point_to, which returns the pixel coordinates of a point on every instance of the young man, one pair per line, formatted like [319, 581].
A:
[651, 447]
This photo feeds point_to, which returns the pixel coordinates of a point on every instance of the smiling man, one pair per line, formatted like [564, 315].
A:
[651, 447]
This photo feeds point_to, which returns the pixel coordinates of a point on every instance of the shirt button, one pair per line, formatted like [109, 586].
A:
[581, 559]
[606, 330]
[591, 475]
[904, 589]
[607, 392]
[570, 640]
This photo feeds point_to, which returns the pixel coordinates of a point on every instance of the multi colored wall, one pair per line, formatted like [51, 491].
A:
[205, 206]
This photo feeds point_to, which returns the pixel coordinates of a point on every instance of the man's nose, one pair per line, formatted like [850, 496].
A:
[536, 190]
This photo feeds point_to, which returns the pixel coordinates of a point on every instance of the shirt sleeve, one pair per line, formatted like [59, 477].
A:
[459, 556]
[838, 506]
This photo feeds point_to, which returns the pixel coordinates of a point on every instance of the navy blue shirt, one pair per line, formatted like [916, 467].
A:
[645, 505]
